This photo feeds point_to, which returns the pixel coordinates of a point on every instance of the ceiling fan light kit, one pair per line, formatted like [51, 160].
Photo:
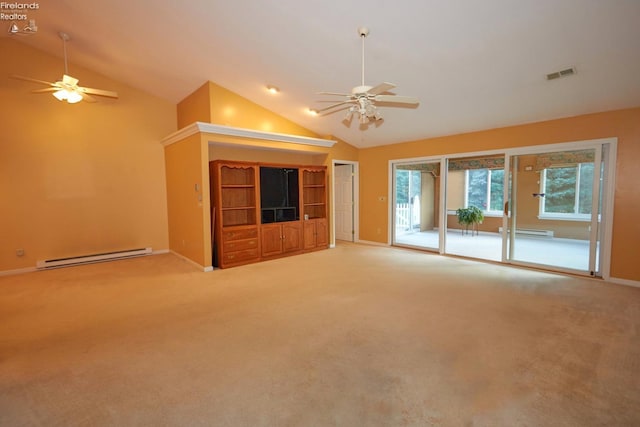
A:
[67, 89]
[70, 96]
[364, 97]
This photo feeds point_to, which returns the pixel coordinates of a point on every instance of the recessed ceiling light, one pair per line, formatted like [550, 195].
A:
[273, 89]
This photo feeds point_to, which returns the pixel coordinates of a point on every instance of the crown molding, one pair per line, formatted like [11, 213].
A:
[201, 127]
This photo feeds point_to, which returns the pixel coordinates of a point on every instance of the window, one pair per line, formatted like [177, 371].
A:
[407, 185]
[567, 192]
[485, 189]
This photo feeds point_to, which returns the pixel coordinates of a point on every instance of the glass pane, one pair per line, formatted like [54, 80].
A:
[567, 186]
[402, 186]
[477, 188]
[560, 190]
[475, 182]
[585, 188]
[497, 193]
[416, 200]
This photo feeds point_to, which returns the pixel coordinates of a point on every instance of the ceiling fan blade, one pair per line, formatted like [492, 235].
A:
[397, 99]
[335, 93]
[45, 90]
[335, 105]
[68, 80]
[98, 92]
[29, 79]
[382, 87]
[87, 97]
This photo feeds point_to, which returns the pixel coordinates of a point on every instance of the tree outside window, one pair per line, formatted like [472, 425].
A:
[567, 190]
[485, 189]
[407, 185]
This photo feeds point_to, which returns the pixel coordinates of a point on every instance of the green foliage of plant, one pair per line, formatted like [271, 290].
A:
[470, 216]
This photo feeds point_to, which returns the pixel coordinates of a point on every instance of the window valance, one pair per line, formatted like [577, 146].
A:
[564, 158]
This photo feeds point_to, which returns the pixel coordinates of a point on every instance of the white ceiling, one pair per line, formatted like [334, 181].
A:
[473, 64]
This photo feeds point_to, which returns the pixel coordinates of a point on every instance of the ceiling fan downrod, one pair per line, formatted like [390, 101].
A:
[65, 38]
[363, 32]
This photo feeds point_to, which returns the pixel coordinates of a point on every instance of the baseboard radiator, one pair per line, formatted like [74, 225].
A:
[531, 232]
[89, 259]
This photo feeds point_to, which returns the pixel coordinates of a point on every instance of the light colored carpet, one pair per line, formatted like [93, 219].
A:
[353, 336]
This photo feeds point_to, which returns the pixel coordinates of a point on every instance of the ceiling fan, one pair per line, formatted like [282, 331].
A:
[67, 88]
[364, 97]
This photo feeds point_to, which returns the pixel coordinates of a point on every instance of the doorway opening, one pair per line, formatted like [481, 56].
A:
[344, 201]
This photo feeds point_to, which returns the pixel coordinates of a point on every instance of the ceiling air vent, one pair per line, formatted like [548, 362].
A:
[562, 73]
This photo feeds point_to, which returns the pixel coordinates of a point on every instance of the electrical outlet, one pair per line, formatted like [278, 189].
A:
[19, 252]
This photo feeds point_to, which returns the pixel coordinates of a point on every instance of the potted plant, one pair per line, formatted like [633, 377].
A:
[471, 216]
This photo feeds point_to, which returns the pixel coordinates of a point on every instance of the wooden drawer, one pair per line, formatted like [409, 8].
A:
[239, 245]
[243, 233]
[240, 256]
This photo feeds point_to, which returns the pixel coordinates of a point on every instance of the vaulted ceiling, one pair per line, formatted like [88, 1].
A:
[473, 64]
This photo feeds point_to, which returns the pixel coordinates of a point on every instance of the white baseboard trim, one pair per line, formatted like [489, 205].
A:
[160, 252]
[369, 242]
[18, 271]
[625, 282]
[190, 261]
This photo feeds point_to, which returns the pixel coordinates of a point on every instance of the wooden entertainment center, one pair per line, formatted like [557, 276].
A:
[263, 211]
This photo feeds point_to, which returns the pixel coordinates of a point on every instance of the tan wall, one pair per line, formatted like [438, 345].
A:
[77, 179]
[455, 190]
[188, 200]
[212, 103]
[195, 107]
[623, 124]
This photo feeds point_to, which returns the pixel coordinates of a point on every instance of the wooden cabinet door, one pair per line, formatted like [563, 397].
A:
[309, 234]
[322, 232]
[271, 239]
[292, 236]
[315, 233]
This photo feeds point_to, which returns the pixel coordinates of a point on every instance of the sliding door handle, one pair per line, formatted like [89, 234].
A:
[506, 208]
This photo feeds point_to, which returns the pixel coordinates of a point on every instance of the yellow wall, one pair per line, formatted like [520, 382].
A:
[195, 107]
[623, 124]
[77, 179]
[212, 103]
[188, 199]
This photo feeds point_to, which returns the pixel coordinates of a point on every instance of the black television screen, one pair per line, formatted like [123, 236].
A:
[279, 190]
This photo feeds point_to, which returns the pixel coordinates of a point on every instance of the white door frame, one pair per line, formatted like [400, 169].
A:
[356, 199]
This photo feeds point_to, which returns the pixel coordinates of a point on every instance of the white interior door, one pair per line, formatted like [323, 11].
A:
[343, 177]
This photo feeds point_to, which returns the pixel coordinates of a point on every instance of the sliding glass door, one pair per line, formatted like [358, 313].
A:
[555, 212]
[416, 206]
[475, 185]
[546, 206]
